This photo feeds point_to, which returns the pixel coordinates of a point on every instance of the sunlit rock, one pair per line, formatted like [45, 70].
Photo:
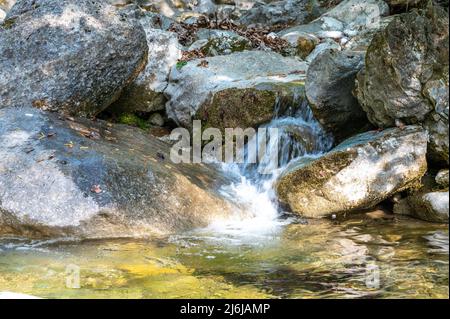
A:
[347, 19]
[237, 90]
[145, 94]
[359, 173]
[92, 179]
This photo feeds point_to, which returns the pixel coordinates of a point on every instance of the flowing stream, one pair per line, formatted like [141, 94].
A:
[299, 135]
[267, 254]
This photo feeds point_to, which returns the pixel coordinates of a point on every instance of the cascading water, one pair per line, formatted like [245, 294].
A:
[299, 135]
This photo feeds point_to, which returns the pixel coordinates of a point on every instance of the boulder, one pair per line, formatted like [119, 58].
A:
[432, 207]
[66, 55]
[63, 176]
[347, 19]
[406, 76]
[426, 203]
[442, 178]
[329, 85]
[238, 90]
[145, 94]
[437, 123]
[282, 12]
[357, 16]
[358, 174]
[2, 15]
[327, 44]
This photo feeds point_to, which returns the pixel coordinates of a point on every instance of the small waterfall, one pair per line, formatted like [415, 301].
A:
[299, 135]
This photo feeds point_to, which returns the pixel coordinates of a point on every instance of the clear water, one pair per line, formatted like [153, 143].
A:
[266, 255]
[324, 259]
[298, 135]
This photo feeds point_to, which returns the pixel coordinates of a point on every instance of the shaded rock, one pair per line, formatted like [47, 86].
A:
[442, 178]
[145, 94]
[406, 76]
[156, 119]
[330, 81]
[437, 122]
[282, 12]
[65, 177]
[358, 174]
[426, 203]
[237, 90]
[405, 5]
[67, 55]
[400, 61]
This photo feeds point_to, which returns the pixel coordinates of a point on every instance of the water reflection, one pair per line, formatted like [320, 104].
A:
[353, 258]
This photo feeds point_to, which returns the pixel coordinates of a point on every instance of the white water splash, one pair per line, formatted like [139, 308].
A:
[300, 135]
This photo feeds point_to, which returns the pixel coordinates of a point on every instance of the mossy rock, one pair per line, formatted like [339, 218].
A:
[358, 174]
[250, 107]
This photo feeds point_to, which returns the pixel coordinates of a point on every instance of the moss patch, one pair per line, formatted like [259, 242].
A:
[8, 23]
[133, 120]
[238, 108]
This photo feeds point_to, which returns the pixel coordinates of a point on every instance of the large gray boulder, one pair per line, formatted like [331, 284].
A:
[73, 177]
[145, 94]
[329, 88]
[74, 56]
[406, 76]
[243, 89]
[358, 174]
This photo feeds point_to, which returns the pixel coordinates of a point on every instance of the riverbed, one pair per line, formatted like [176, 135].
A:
[357, 257]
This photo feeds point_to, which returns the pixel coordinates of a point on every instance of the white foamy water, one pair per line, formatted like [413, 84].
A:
[298, 136]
